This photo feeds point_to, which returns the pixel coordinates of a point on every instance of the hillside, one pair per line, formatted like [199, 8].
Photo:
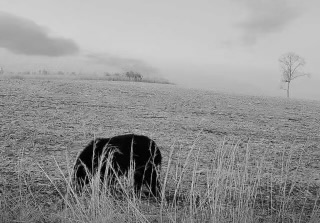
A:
[47, 118]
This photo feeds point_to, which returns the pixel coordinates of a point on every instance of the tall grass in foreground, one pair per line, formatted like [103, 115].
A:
[236, 186]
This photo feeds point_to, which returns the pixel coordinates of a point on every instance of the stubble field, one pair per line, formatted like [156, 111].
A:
[46, 122]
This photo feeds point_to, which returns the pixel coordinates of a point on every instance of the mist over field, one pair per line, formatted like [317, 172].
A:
[227, 89]
[225, 46]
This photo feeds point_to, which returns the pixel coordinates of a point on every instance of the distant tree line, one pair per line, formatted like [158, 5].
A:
[123, 76]
[129, 75]
[134, 76]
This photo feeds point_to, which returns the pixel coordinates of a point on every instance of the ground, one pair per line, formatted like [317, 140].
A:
[47, 121]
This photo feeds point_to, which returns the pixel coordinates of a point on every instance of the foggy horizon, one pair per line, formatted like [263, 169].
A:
[229, 46]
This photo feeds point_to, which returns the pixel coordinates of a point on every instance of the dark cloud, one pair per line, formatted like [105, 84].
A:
[124, 64]
[267, 16]
[23, 36]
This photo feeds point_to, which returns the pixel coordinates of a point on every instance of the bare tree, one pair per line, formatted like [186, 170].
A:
[291, 65]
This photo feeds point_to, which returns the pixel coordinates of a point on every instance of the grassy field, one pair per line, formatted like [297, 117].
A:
[227, 158]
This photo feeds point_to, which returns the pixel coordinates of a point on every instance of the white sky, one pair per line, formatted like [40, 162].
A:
[222, 45]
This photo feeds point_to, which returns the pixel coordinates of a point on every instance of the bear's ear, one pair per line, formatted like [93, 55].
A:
[99, 140]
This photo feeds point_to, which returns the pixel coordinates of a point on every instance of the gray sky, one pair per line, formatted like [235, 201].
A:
[223, 45]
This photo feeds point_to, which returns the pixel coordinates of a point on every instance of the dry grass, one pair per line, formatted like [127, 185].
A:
[226, 158]
[232, 189]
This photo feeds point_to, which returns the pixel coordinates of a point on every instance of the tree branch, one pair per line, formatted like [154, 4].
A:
[299, 75]
[298, 65]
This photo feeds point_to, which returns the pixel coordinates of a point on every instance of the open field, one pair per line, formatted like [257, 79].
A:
[45, 122]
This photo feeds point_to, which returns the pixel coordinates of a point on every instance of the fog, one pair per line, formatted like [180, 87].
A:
[230, 46]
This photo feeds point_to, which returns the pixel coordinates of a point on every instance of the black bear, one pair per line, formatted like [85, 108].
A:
[122, 150]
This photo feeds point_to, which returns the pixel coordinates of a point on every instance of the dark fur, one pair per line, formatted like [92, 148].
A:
[146, 157]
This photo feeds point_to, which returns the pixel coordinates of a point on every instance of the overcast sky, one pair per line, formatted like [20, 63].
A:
[222, 45]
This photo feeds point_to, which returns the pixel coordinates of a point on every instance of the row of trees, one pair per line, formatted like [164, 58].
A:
[130, 75]
[134, 76]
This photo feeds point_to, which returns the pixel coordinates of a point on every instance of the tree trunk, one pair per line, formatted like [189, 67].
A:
[288, 89]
